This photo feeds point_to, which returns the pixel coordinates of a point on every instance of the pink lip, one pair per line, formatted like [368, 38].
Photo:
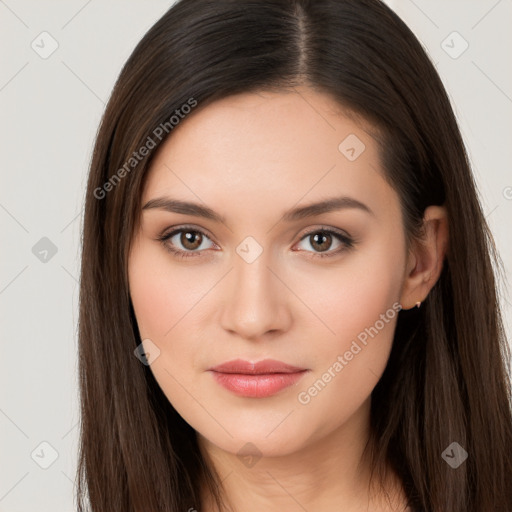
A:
[257, 380]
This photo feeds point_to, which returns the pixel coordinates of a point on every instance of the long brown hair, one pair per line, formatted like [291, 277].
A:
[447, 378]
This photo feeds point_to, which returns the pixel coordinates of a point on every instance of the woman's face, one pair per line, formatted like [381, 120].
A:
[315, 288]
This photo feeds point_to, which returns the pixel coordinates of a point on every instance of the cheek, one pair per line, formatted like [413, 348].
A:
[349, 298]
[163, 295]
[167, 298]
[360, 305]
[163, 298]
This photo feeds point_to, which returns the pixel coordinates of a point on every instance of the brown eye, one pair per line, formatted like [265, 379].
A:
[185, 242]
[322, 240]
[191, 240]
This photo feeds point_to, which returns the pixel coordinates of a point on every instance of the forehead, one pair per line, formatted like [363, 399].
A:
[252, 150]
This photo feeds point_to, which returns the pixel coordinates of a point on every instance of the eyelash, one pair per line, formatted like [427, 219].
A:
[344, 239]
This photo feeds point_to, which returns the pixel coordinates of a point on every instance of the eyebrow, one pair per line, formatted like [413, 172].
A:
[301, 212]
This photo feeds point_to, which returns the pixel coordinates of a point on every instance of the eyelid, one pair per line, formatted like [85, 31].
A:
[327, 229]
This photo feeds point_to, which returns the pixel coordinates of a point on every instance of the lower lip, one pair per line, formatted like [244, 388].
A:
[257, 386]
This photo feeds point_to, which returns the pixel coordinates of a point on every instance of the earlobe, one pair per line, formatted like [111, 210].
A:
[426, 258]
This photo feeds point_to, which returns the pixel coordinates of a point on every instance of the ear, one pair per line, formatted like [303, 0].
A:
[425, 261]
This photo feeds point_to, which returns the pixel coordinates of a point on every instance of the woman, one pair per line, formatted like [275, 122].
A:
[287, 297]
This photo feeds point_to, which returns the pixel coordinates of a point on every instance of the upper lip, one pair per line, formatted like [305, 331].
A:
[260, 367]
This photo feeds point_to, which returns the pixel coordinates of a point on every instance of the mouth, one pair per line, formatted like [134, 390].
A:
[256, 380]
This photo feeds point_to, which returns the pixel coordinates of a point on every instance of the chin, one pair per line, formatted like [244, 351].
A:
[255, 441]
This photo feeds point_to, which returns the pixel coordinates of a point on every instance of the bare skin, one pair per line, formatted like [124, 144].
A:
[250, 158]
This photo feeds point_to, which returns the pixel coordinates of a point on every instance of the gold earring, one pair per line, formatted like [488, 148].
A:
[418, 304]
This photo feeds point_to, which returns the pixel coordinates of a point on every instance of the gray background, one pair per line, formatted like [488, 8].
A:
[50, 110]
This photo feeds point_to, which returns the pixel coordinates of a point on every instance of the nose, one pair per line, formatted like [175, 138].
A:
[255, 305]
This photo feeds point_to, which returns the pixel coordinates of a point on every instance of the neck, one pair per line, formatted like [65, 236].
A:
[329, 474]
